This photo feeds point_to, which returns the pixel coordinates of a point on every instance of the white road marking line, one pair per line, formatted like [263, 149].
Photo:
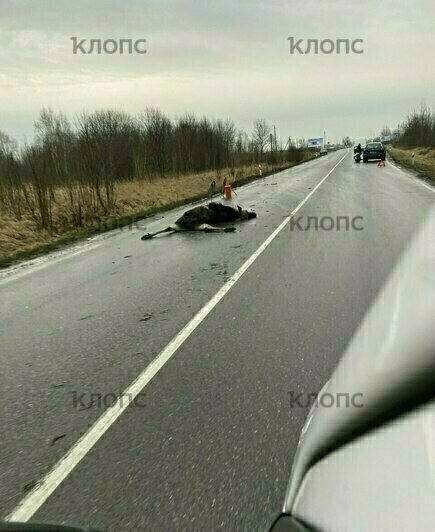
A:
[425, 186]
[7, 277]
[419, 181]
[396, 167]
[36, 498]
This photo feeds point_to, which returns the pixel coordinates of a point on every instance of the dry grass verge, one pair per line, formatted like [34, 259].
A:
[424, 160]
[20, 239]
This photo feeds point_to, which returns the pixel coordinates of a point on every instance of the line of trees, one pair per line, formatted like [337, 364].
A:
[418, 129]
[77, 163]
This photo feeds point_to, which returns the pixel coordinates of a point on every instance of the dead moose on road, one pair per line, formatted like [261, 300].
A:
[203, 218]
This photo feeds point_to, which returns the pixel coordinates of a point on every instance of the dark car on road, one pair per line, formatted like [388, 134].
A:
[374, 150]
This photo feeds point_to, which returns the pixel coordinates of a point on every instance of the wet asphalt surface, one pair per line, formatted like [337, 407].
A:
[210, 446]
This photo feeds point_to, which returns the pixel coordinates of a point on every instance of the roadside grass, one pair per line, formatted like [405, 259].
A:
[424, 160]
[135, 200]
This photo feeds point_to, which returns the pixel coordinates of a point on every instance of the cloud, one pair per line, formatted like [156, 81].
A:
[220, 59]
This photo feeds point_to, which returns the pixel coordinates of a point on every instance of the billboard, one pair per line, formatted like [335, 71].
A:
[315, 142]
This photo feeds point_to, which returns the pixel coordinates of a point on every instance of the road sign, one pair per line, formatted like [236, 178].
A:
[315, 142]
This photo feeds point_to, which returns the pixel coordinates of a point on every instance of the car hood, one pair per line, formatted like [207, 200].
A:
[390, 362]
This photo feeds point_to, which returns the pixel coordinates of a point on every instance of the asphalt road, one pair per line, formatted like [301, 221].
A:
[209, 445]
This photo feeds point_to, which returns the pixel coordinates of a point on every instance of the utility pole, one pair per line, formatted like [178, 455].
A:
[288, 143]
[271, 149]
[324, 138]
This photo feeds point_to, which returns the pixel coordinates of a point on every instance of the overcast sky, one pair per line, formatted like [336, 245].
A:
[222, 59]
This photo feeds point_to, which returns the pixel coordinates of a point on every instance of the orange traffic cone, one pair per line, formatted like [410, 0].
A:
[381, 163]
[227, 191]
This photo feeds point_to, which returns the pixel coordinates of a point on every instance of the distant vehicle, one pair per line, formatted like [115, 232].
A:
[323, 151]
[374, 150]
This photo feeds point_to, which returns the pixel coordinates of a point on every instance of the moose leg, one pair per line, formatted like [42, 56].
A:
[210, 229]
[170, 229]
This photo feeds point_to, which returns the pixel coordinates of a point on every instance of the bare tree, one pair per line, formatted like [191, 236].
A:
[419, 129]
[10, 187]
[7, 144]
[261, 137]
[68, 177]
[386, 132]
